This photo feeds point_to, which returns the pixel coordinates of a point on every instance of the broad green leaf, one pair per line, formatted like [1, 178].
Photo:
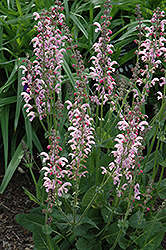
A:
[148, 231]
[37, 210]
[162, 189]
[87, 220]
[154, 241]
[88, 196]
[28, 221]
[84, 244]
[137, 220]
[11, 167]
[111, 233]
[81, 230]
[123, 243]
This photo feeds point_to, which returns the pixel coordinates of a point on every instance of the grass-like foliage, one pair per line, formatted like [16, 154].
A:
[104, 157]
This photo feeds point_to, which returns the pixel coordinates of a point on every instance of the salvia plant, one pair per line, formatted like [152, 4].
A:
[103, 168]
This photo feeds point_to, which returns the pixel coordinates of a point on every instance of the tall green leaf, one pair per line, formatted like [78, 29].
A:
[11, 168]
[4, 127]
[18, 104]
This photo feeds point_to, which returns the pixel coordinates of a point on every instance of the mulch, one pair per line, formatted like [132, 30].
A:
[12, 202]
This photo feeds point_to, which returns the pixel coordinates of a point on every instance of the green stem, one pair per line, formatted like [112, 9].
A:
[92, 200]
[161, 176]
[155, 160]
[75, 200]
[64, 215]
[132, 241]
[110, 218]
[32, 174]
[97, 165]
[151, 145]
[123, 103]
[159, 114]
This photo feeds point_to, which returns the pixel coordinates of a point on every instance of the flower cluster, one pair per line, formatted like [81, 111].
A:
[82, 138]
[54, 169]
[152, 52]
[43, 76]
[103, 65]
[128, 152]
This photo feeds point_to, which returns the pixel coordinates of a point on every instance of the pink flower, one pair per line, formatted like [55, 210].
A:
[98, 25]
[36, 15]
[160, 95]
[137, 192]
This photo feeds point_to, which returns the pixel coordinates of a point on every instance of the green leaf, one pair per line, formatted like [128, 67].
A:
[81, 230]
[42, 241]
[36, 141]
[149, 230]
[7, 100]
[11, 78]
[88, 196]
[105, 211]
[84, 244]
[19, 7]
[11, 167]
[40, 191]
[87, 220]
[19, 100]
[136, 220]
[79, 24]
[28, 221]
[68, 72]
[31, 196]
[4, 128]
[28, 128]
[151, 160]
[112, 233]
[128, 56]
[162, 216]
[154, 241]
[162, 189]
[66, 7]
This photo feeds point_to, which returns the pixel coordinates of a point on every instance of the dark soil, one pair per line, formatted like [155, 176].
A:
[14, 201]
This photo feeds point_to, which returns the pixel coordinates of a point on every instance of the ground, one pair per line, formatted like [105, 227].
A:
[12, 202]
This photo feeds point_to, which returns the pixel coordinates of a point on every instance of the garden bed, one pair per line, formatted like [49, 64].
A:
[12, 202]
